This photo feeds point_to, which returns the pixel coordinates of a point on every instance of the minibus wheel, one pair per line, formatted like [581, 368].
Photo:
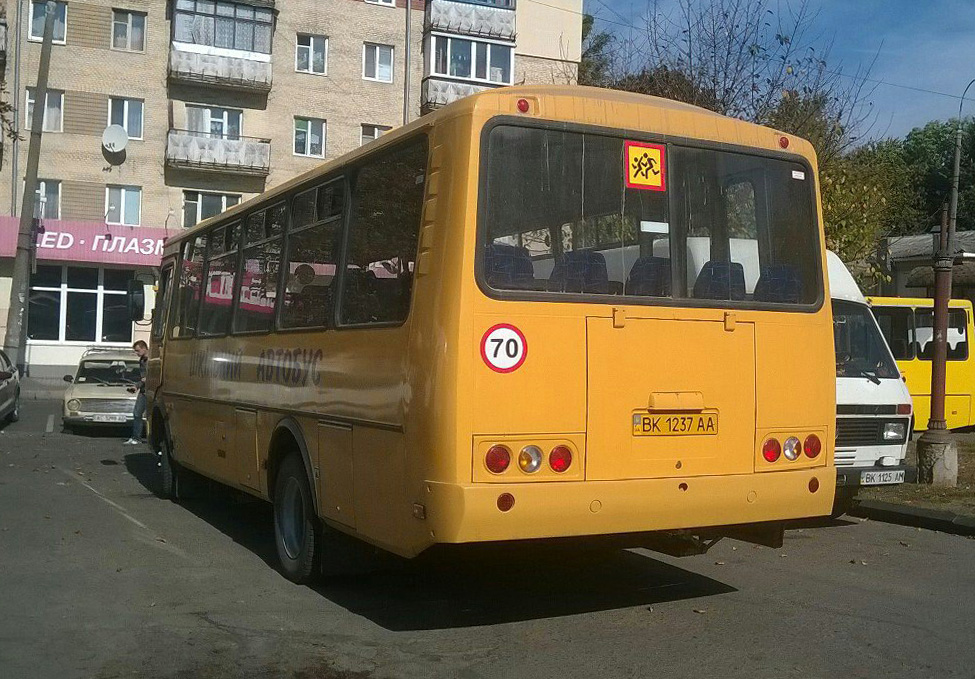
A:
[297, 535]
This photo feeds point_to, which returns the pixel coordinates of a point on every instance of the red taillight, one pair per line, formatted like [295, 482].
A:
[560, 458]
[784, 142]
[903, 408]
[497, 459]
[813, 484]
[812, 446]
[523, 105]
[506, 501]
[771, 450]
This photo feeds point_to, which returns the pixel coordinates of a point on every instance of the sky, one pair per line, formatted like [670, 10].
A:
[925, 44]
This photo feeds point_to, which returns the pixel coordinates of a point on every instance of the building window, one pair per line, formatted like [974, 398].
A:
[372, 132]
[312, 54]
[48, 205]
[200, 205]
[79, 304]
[310, 137]
[128, 31]
[37, 12]
[385, 3]
[128, 114]
[53, 110]
[223, 24]
[377, 62]
[487, 62]
[123, 205]
[214, 122]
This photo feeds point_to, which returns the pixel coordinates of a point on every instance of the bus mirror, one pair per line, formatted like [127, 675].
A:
[136, 300]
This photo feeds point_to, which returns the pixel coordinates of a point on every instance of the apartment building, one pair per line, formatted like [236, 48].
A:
[219, 101]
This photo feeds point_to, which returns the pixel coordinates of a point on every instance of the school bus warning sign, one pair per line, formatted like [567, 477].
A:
[645, 166]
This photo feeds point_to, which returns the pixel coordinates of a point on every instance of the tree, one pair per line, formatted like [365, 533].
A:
[929, 151]
[597, 58]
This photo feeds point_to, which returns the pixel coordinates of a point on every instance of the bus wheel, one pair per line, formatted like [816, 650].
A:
[296, 533]
[170, 475]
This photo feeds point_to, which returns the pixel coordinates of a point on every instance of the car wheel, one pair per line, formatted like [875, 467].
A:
[170, 475]
[297, 532]
[15, 413]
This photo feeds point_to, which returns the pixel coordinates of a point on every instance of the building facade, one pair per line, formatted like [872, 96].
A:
[220, 101]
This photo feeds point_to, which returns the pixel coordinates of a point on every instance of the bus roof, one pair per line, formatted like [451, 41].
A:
[841, 282]
[564, 103]
[917, 302]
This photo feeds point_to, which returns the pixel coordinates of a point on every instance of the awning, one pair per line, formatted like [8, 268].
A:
[923, 276]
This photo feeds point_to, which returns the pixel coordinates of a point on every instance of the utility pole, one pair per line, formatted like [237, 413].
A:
[937, 451]
[407, 64]
[15, 342]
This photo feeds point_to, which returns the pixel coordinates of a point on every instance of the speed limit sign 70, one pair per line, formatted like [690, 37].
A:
[504, 348]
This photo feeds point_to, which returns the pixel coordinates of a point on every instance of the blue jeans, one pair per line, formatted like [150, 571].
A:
[137, 412]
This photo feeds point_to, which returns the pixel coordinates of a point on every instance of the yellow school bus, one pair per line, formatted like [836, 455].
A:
[908, 325]
[538, 312]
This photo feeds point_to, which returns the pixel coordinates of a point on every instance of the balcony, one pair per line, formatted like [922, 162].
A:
[203, 151]
[484, 18]
[219, 70]
[436, 92]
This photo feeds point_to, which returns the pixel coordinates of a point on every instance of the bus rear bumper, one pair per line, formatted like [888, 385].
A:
[461, 514]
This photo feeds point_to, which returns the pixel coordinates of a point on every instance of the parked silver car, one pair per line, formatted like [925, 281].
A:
[103, 389]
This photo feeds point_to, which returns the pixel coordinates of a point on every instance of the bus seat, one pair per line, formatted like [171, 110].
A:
[580, 271]
[509, 266]
[720, 280]
[959, 352]
[778, 283]
[649, 277]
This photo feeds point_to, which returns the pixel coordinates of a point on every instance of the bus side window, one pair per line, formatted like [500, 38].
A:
[312, 252]
[383, 231]
[221, 273]
[259, 271]
[190, 284]
[897, 328]
[163, 298]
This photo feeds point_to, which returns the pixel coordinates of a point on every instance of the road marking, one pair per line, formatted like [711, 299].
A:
[50, 424]
[156, 542]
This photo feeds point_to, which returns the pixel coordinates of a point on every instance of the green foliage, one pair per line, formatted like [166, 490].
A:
[867, 194]
[594, 67]
[930, 152]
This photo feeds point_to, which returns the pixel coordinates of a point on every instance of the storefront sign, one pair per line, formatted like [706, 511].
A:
[89, 242]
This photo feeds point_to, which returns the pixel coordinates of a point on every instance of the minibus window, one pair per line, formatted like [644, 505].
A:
[259, 270]
[957, 334]
[162, 303]
[221, 274]
[860, 348]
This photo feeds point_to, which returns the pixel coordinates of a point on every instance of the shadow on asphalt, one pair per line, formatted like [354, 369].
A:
[460, 586]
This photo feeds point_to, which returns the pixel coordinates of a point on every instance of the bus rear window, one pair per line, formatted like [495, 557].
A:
[562, 216]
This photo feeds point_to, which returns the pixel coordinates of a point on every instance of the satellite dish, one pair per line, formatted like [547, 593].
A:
[115, 138]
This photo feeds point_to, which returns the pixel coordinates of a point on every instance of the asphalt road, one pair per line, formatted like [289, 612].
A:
[99, 578]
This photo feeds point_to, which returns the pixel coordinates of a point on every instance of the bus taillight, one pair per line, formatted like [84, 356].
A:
[771, 450]
[812, 446]
[560, 458]
[530, 459]
[497, 459]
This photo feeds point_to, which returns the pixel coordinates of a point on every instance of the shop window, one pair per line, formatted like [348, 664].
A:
[79, 304]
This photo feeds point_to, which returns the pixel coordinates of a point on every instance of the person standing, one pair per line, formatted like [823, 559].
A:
[142, 350]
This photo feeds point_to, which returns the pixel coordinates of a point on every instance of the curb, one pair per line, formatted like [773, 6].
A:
[917, 517]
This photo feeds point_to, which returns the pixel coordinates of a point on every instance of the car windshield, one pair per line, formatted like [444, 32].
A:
[106, 371]
[860, 348]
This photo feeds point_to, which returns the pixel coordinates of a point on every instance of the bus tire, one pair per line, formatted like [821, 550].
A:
[297, 532]
[169, 477]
